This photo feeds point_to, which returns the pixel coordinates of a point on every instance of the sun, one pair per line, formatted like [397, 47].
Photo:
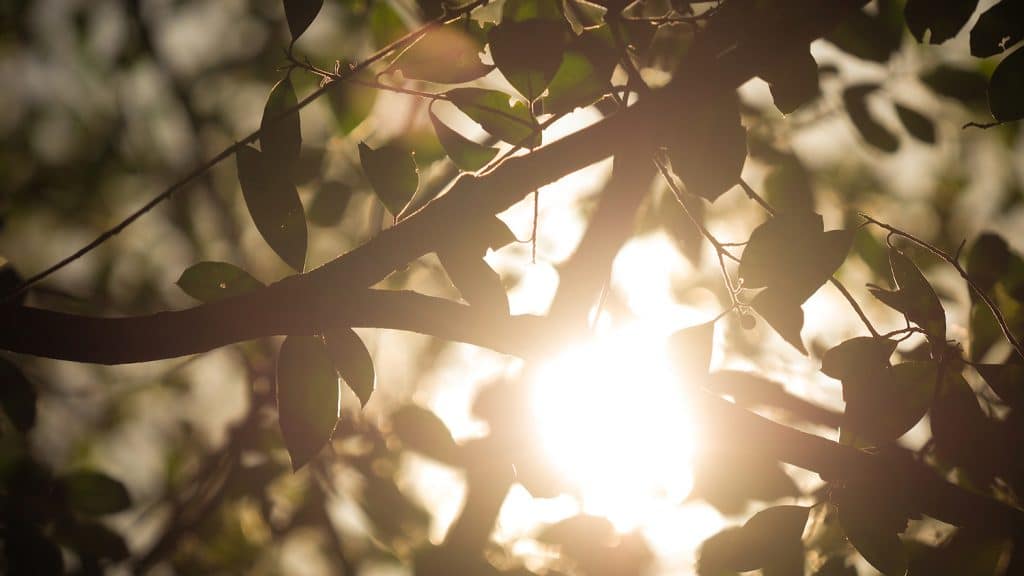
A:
[614, 420]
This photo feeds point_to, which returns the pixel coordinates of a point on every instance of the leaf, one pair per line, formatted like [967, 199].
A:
[729, 478]
[10, 281]
[968, 86]
[479, 285]
[710, 156]
[213, 281]
[307, 397]
[274, 205]
[492, 111]
[783, 314]
[691, 348]
[300, 14]
[919, 125]
[883, 405]
[856, 356]
[393, 173]
[329, 203]
[444, 55]
[94, 494]
[466, 154]
[871, 36]
[1006, 88]
[881, 548]
[998, 28]
[351, 103]
[422, 431]
[352, 361]
[579, 536]
[942, 19]
[528, 53]
[280, 130]
[960, 429]
[915, 298]
[788, 187]
[17, 396]
[855, 100]
[584, 74]
[794, 82]
[771, 539]
[1007, 380]
[92, 539]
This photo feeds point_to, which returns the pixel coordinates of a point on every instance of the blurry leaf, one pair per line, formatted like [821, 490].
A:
[710, 152]
[783, 313]
[579, 536]
[422, 431]
[492, 111]
[479, 285]
[465, 153]
[968, 86]
[729, 479]
[352, 361]
[1007, 380]
[94, 493]
[522, 10]
[329, 203]
[397, 520]
[392, 172]
[987, 260]
[585, 72]
[28, 551]
[964, 552]
[274, 205]
[858, 356]
[872, 524]
[836, 566]
[771, 539]
[280, 131]
[300, 14]
[583, 15]
[17, 396]
[351, 103]
[870, 36]
[1006, 88]
[998, 28]
[307, 397]
[385, 24]
[855, 100]
[528, 53]
[691, 348]
[794, 82]
[919, 125]
[915, 298]
[445, 55]
[213, 281]
[960, 430]
[92, 539]
[943, 19]
[788, 187]
[10, 280]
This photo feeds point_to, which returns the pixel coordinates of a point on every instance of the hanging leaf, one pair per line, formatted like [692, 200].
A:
[1007, 380]
[794, 81]
[274, 205]
[280, 131]
[691, 348]
[873, 531]
[300, 14]
[770, 540]
[466, 154]
[711, 151]
[855, 100]
[918, 125]
[476, 281]
[445, 55]
[352, 361]
[882, 405]
[93, 540]
[584, 74]
[94, 493]
[213, 281]
[422, 431]
[859, 355]
[998, 28]
[942, 19]
[528, 53]
[17, 396]
[782, 313]
[492, 111]
[1006, 88]
[307, 397]
[915, 298]
[392, 172]
[329, 203]
[351, 103]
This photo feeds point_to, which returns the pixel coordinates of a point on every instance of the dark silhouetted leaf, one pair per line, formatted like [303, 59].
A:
[579, 536]
[771, 539]
[329, 203]
[10, 281]
[856, 356]
[94, 493]
[446, 55]
[964, 552]
[92, 539]
[987, 260]
[352, 361]
[871, 36]
[794, 82]
[280, 131]
[943, 19]
[919, 125]
[836, 566]
[528, 53]
[1006, 88]
[393, 173]
[712, 166]
[998, 28]
[28, 551]
[729, 479]
[691, 347]
[300, 14]
[479, 285]
[493, 112]
[872, 525]
[1007, 380]
[783, 314]
[465, 153]
[212, 281]
[788, 187]
[882, 405]
[960, 429]
[307, 397]
[914, 297]
[17, 396]
[968, 86]
[855, 100]
[274, 205]
[422, 431]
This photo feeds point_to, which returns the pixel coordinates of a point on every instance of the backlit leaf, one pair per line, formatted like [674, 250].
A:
[493, 112]
[212, 281]
[17, 396]
[528, 53]
[422, 431]
[771, 540]
[392, 172]
[280, 131]
[998, 28]
[691, 347]
[329, 203]
[942, 19]
[307, 397]
[445, 55]
[857, 355]
[352, 361]
[1006, 88]
[729, 479]
[783, 313]
[968, 86]
[794, 81]
[914, 297]
[584, 74]
[351, 103]
[919, 125]
[874, 133]
[465, 153]
[478, 283]
[882, 405]
[94, 493]
[871, 36]
[1007, 380]
[710, 158]
[881, 548]
[300, 14]
[274, 205]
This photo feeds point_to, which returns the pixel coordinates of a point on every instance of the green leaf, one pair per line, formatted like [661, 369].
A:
[300, 14]
[1007, 380]
[783, 313]
[307, 397]
[352, 361]
[968, 86]
[528, 53]
[212, 281]
[915, 298]
[274, 205]
[709, 155]
[422, 431]
[351, 103]
[771, 539]
[1006, 88]
[94, 493]
[280, 131]
[943, 19]
[385, 24]
[17, 396]
[393, 173]
[919, 125]
[476, 281]
[585, 73]
[874, 133]
[998, 28]
[492, 111]
[466, 154]
[445, 55]
[329, 203]
[794, 82]
[691, 348]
